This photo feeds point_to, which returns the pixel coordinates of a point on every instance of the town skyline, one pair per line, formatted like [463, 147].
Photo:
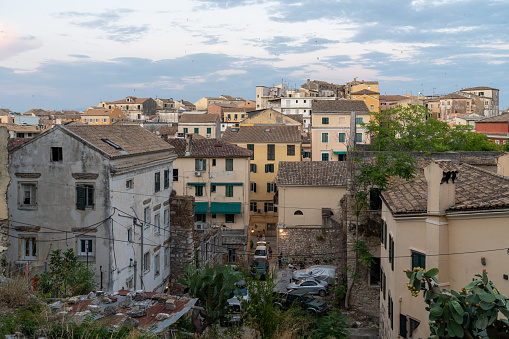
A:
[69, 56]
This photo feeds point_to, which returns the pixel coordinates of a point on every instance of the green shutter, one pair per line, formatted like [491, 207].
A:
[209, 130]
[392, 253]
[196, 165]
[402, 325]
[81, 198]
[196, 130]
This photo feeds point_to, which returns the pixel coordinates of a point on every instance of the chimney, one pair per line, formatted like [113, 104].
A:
[441, 176]
[189, 144]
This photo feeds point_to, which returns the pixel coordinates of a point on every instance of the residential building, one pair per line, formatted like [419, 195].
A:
[454, 105]
[270, 144]
[324, 89]
[166, 110]
[207, 125]
[100, 190]
[21, 131]
[489, 96]
[184, 106]
[331, 128]
[165, 104]
[452, 219]
[495, 128]
[371, 98]
[269, 117]
[134, 108]
[323, 184]
[356, 86]
[263, 94]
[102, 116]
[203, 103]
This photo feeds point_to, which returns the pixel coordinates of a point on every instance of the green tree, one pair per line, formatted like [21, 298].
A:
[212, 287]
[66, 276]
[472, 312]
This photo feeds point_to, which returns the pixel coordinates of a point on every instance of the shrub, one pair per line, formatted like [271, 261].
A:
[14, 292]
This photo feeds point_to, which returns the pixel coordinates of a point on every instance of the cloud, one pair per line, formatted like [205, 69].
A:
[278, 45]
[79, 56]
[108, 22]
[11, 43]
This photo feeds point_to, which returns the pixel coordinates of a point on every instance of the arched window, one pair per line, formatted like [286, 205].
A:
[298, 212]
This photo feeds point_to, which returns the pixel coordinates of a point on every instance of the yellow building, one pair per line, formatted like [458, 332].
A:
[102, 116]
[204, 124]
[330, 128]
[356, 86]
[452, 219]
[270, 117]
[370, 98]
[270, 144]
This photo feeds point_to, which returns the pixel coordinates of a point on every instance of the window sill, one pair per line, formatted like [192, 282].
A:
[27, 208]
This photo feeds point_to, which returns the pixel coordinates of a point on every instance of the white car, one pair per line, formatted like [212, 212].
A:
[261, 253]
[261, 243]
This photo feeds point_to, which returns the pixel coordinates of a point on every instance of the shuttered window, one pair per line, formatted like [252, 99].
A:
[402, 325]
[271, 152]
[84, 196]
[157, 181]
[251, 148]
[166, 178]
[418, 260]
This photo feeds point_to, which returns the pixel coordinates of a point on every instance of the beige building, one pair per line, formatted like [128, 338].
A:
[20, 131]
[269, 117]
[330, 128]
[356, 86]
[454, 218]
[309, 192]
[489, 97]
[102, 116]
[206, 125]
[134, 108]
[270, 144]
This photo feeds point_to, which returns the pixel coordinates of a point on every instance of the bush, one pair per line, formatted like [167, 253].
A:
[14, 292]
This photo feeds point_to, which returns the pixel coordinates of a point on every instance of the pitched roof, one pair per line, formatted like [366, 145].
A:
[197, 118]
[167, 130]
[209, 148]
[393, 97]
[476, 189]
[365, 92]
[97, 112]
[122, 140]
[262, 134]
[339, 106]
[133, 100]
[20, 128]
[312, 173]
[478, 88]
[297, 117]
[269, 117]
[5, 112]
[498, 118]
[453, 96]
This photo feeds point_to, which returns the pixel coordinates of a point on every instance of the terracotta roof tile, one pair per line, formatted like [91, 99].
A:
[209, 148]
[97, 112]
[498, 118]
[478, 88]
[262, 134]
[167, 130]
[339, 106]
[476, 189]
[312, 173]
[365, 92]
[393, 98]
[198, 118]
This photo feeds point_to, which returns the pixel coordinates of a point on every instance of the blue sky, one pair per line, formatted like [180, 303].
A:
[71, 55]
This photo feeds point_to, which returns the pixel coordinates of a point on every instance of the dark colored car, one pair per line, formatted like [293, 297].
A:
[259, 268]
[302, 300]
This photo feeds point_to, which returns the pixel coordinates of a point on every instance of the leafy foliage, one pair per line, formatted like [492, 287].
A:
[212, 288]
[471, 313]
[364, 257]
[66, 276]
[332, 326]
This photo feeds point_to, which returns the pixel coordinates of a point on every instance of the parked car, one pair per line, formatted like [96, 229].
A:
[320, 272]
[234, 314]
[241, 291]
[261, 252]
[259, 268]
[261, 243]
[311, 286]
[301, 300]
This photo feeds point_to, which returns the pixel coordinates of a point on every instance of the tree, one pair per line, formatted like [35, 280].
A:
[66, 276]
[471, 313]
[213, 287]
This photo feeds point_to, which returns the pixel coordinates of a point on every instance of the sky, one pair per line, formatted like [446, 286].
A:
[69, 55]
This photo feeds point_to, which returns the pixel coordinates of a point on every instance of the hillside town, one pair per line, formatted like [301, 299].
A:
[141, 189]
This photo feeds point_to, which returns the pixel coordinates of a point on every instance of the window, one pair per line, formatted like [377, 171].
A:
[402, 325]
[200, 217]
[84, 196]
[271, 152]
[86, 247]
[374, 272]
[325, 120]
[269, 168]
[185, 130]
[229, 164]
[166, 219]
[418, 260]
[375, 199]
[325, 156]
[157, 182]
[358, 120]
[175, 174]
[229, 218]
[146, 262]
[166, 178]
[271, 187]
[213, 162]
[229, 190]
[358, 137]
[251, 148]
[413, 326]
[252, 168]
[105, 119]
[298, 212]
[383, 282]
[200, 164]
[306, 155]
[231, 255]
[209, 130]
[166, 255]
[391, 251]
[372, 107]
[290, 149]
[129, 184]
[156, 223]
[341, 137]
[198, 191]
[130, 235]
[146, 216]
[390, 306]
[270, 207]
[56, 154]
[213, 188]
[252, 186]
[29, 245]
[253, 206]
[156, 264]
[325, 137]
[196, 130]
[27, 195]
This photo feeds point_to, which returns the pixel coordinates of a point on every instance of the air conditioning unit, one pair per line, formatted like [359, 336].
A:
[197, 174]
